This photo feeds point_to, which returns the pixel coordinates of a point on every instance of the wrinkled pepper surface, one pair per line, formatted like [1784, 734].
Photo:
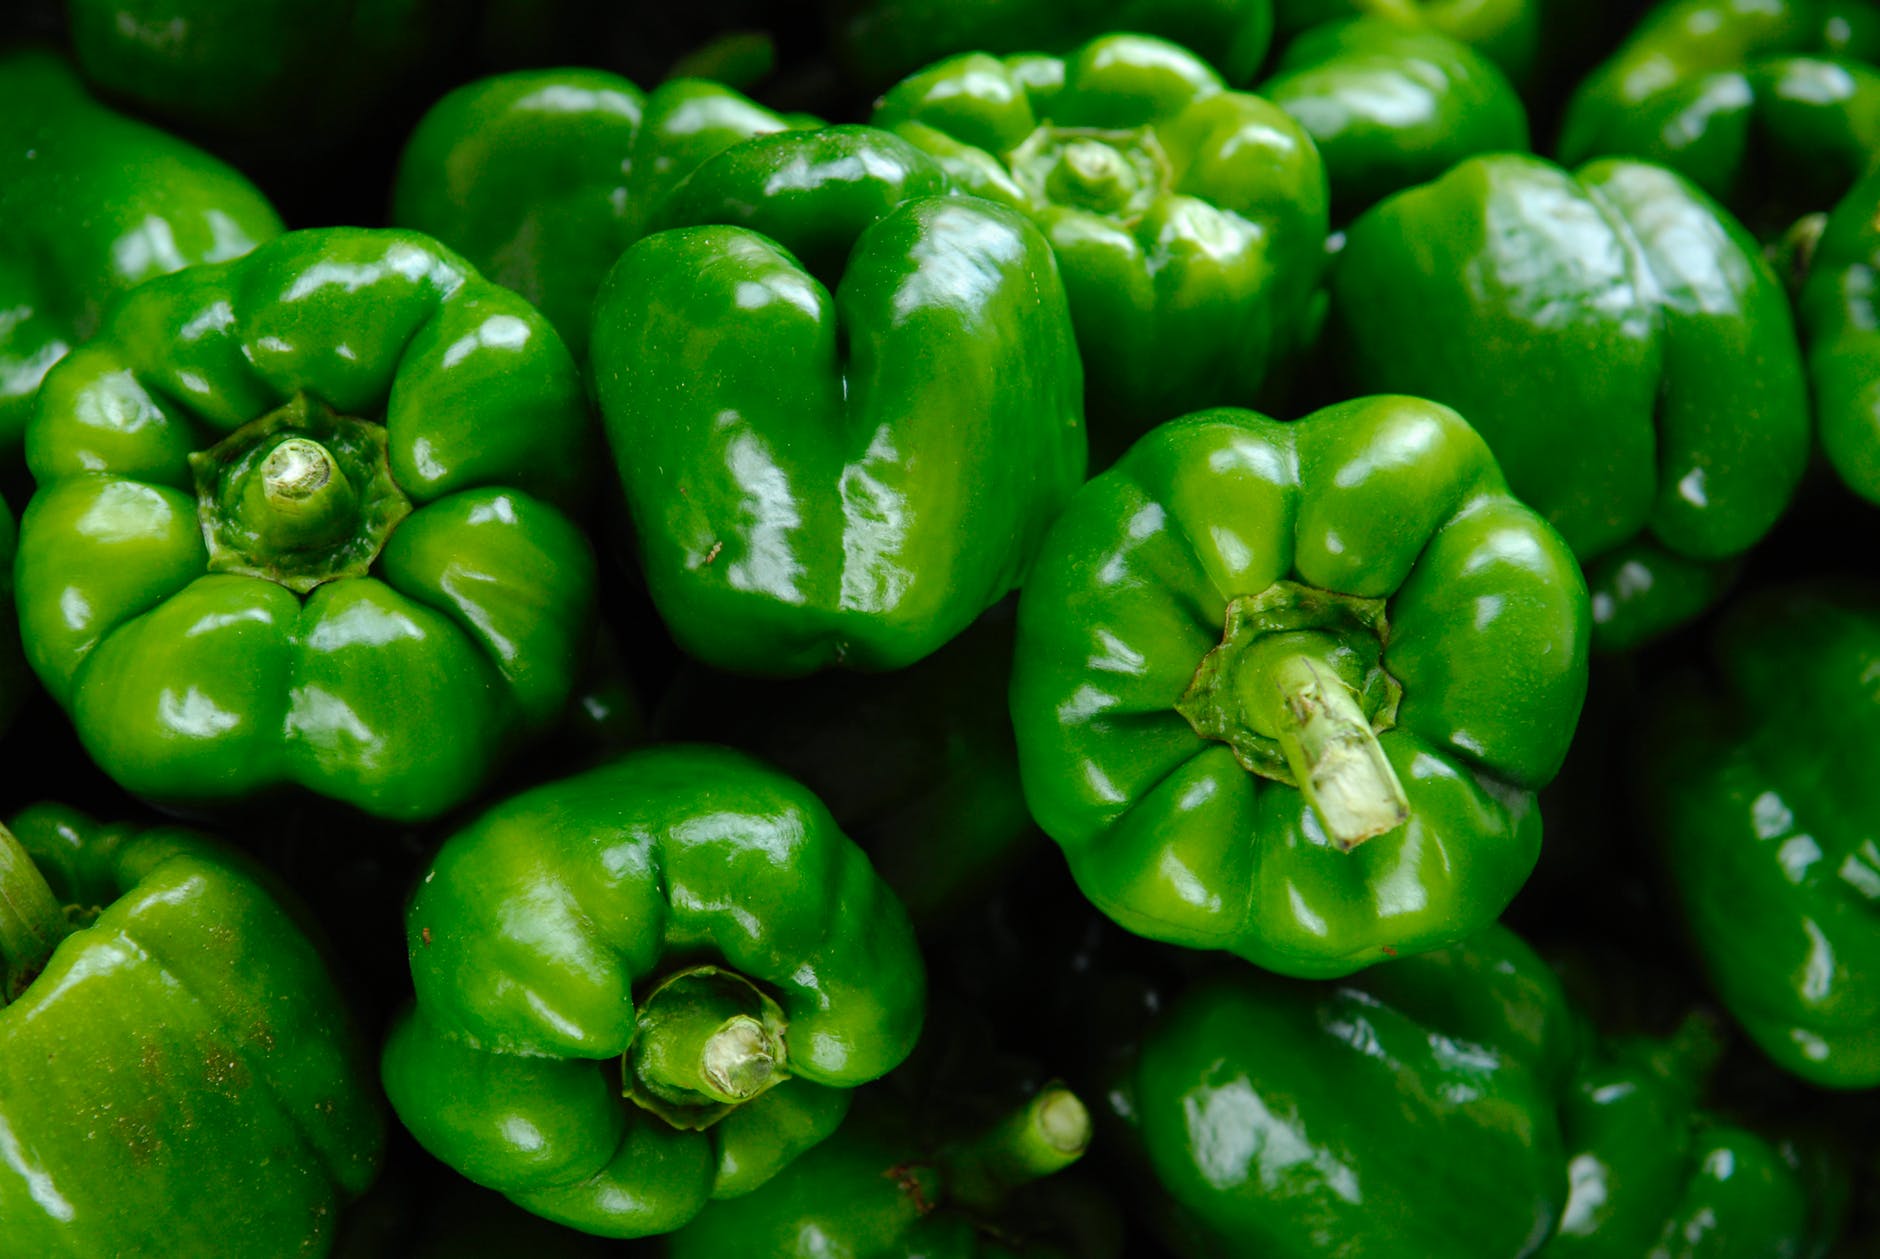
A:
[875, 1190]
[1756, 781]
[1620, 343]
[1771, 106]
[178, 1071]
[94, 203]
[646, 987]
[301, 520]
[844, 403]
[1839, 312]
[1188, 221]
[541, 178]
[1390, 106]
[1409, 1111]
[1654, 1173]
[881, 41]
[277, 72]
[1288, 690]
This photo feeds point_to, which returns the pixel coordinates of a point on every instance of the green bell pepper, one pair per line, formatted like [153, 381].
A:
[1391, 106]
[684, 926]
[286, 73]
[94, 203]
[1654, 1174]
[845, 404]
[880, 41]
[1756, 784]
[300, 520]
[1347, 771]
[1621, 344]
[1840, 317]
[178, 1071]
[1510, 33]
[1410, 1111]
[1751, 100]
[940, 810]
[875, 1190]
[542, 178]
[1189, 221]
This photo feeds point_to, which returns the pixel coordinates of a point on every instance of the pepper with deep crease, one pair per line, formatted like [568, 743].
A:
[1621, 344]
[844, 402]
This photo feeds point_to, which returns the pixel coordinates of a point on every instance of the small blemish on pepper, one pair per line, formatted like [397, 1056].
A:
[713, 553]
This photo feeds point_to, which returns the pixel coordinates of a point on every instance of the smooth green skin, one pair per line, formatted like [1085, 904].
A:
[94, 203]
[1391, 498]
[1841, 325]
[1614, 335]
[1653, 1175]
[1743, 97]
[1507, 32]
[292, 72]
[1757, 784]
[184, 1077]
[1390, 106]
[940, 812]
[882, 41]
[1185, 297]
[844, 413]
[542, 178]
[534, 929]
[1411, 1111]
[192, 688]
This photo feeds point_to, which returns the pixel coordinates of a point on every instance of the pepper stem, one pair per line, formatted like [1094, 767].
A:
[32, 922]
[1329, 744]
[707, 1040]
[1045, 1135]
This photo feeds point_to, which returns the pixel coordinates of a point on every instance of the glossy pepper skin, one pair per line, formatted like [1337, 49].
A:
[1653, 1173]
[94, 203]
[881, 41]
[660, 908]
[294, 72]
[875, 1190]
[1749, 99]
[182, 1076]
[1409, 1111]
[1754, 781]
[1390, 106]
[1620, 343]
[542, 178]
[844, 404]
[1402, 636]
[1511, 33]
[1838, 314]
[1188, 221]
[301, 521]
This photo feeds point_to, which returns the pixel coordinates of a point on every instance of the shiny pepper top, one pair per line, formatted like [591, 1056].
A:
[1189, 221]
[302, 519]
[1288, 690]
[646, 987]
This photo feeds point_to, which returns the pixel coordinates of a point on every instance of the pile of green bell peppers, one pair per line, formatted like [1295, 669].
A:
[899, 628]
